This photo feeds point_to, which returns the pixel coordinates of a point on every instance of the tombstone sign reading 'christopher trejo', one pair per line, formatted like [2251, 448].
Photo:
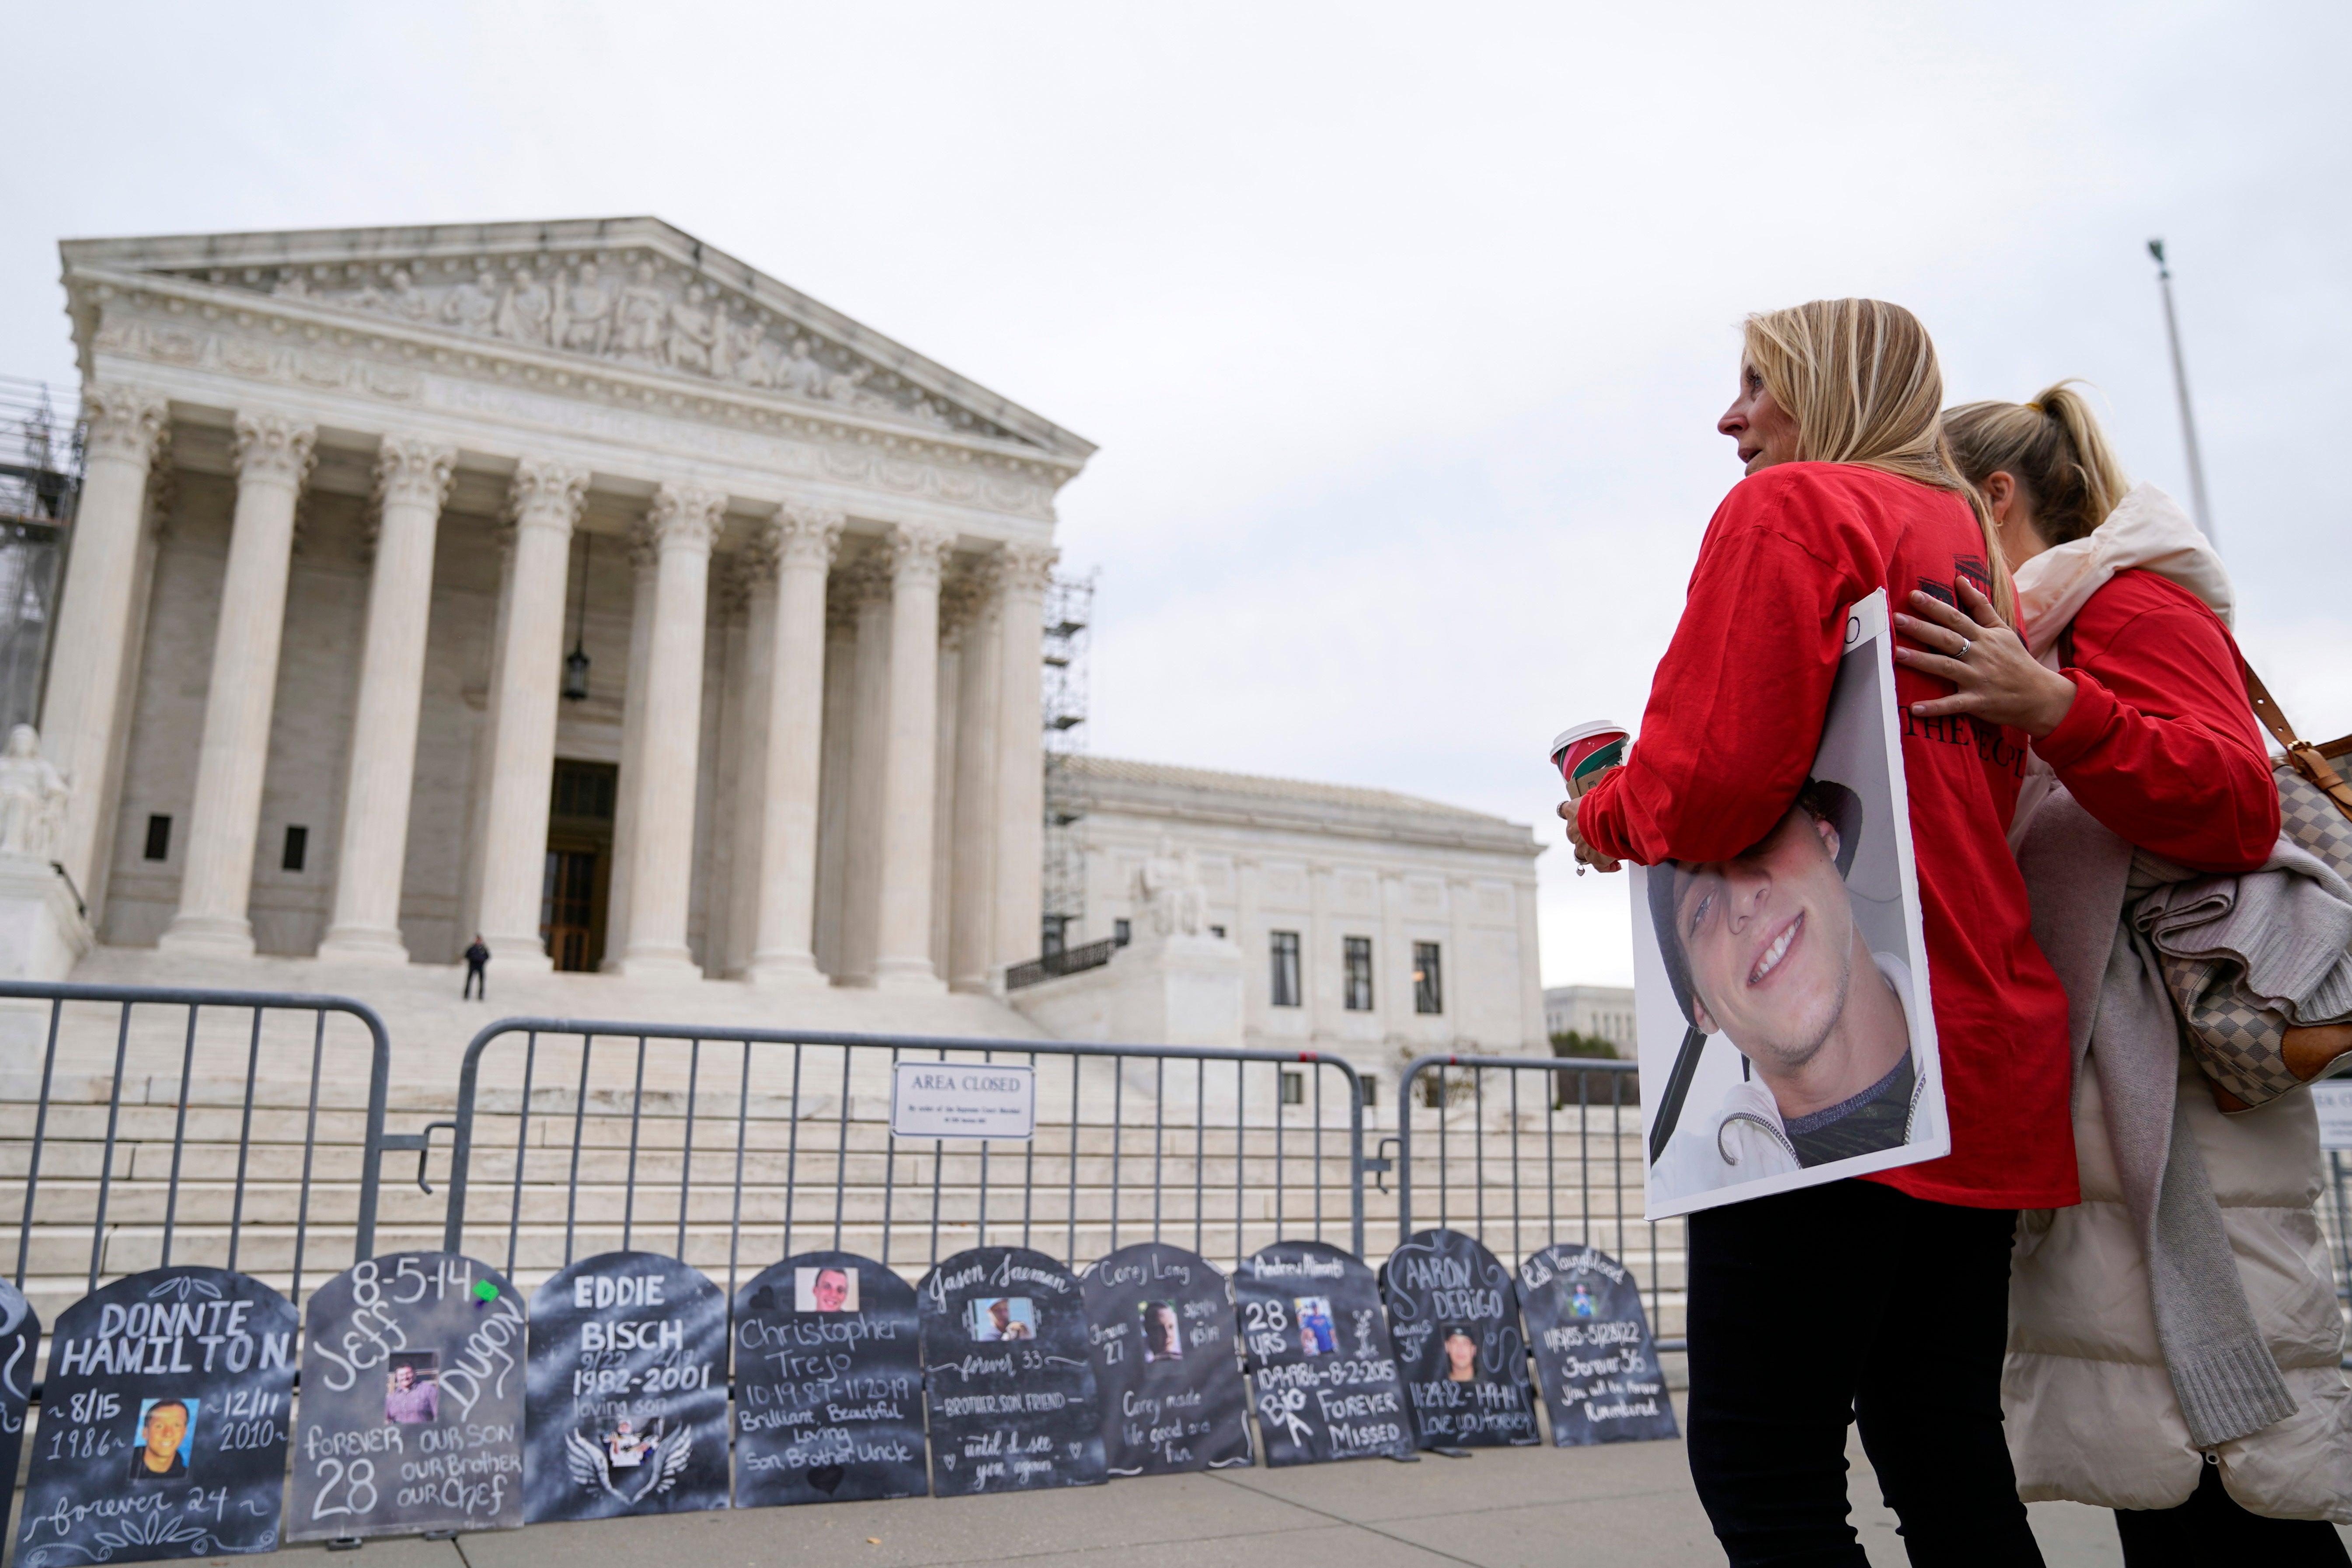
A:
[1166, 1362]
[1454, 1320]
[1593, 1352]
[627, 1394]
[1317, 1349]
[828, 1383]
[412, 1400]
[20, 1341]
[164, 1422]
[1010, 1382]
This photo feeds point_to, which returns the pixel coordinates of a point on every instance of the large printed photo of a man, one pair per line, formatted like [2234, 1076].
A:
[1785, 1032]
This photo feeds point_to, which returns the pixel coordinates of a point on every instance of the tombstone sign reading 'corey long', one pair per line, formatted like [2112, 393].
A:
[1317, 1349]
[627, 1394]
[1165, 1366]
[1010, 1382]
[828, 1383]
[1454, 1320]
[164, 1422]
[1593, 1352]
[20, 1341]
[412, 1400]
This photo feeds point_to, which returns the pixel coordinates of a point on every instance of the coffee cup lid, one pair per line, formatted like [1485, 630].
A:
[1575, 732]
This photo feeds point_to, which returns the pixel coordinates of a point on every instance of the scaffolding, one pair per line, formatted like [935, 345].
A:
[40, 479]
[1069, 615]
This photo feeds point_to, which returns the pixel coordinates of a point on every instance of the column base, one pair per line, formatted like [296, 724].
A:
[672, 964]
[907, 977]
[518, 954]
[207, 936]
[786, 971]
[362, 945]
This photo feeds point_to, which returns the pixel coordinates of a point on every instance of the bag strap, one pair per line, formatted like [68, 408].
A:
[2312, 761]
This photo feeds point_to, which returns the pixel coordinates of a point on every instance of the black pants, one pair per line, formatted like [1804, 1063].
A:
[2211, 1529]
[1852, 1301]
[474, 984]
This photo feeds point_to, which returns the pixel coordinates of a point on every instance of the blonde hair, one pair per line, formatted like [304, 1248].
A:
[1860, 378]
[2055, 449]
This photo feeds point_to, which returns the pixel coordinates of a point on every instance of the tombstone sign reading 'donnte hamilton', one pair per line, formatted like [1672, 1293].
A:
[1593, 1352]
[1166, 1363]
[1454, 1320]
[828, 1383]
[164, 1422]
[1009, 1379]
[412, 1400]
[627, 1391]
[1317, 1345]
[20, 1341]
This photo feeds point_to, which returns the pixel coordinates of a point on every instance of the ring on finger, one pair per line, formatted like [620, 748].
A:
[1965, 645]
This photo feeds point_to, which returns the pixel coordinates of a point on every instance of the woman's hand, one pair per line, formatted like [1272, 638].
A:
[1974, 649]
[1585, 855]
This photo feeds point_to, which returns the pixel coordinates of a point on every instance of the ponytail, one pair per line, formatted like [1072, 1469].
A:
[2053, 448]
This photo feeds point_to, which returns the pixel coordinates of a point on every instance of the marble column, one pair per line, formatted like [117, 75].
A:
[545, 502]
[802, 543]
[90, 667]
[643, 560]
[1026, 571]
[902, 957]
[272, 456]
[972, 927]
[684, 520]
[958, 599]
[861, 892]
[412, 481]
[839, 730]
[748, 696]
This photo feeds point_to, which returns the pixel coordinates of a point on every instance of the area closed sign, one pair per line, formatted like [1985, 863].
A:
[963, 1100]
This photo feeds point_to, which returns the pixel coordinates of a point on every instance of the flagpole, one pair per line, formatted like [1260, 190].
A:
[2180, 385]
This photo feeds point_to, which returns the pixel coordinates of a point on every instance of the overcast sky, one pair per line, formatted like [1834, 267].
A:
[1403, 329]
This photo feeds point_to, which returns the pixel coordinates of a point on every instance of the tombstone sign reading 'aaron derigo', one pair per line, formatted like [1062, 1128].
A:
[1166, 1362]
[412, 1400]
[1318, 1348]
[20, 1341]
[627, 1394]
[1593, 1352]
[828, 1383]
[1011, 1384]
[1454, 1320]
[164, 1422]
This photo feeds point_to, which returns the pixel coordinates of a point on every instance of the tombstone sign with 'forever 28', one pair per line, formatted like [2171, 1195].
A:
[1318, 1353]
[828, 1383]
[1005, 1369]
[1455, 1320]
[1165, 1362]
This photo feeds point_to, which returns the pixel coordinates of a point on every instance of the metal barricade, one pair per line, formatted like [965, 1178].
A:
[697, 1138]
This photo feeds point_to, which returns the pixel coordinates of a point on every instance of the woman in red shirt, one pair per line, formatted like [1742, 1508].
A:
[1883, 1299]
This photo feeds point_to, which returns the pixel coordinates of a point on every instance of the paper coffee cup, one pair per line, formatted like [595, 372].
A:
[1583, 752]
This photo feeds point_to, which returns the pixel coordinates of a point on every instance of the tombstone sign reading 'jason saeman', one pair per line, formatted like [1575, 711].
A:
[1593, 1352]
[412, 1400]
[164, 1422]
[1010, 1382]
[1454, 1320]
[1317, 1345]
[20, 1341]
[1167, 1367]
[628, 1400]
[828, 1383]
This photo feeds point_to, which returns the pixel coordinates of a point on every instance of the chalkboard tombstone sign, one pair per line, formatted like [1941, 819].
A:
[164, 1422]
[1010, 1380]
[627, 1391]
[1594, 1351]
[412, 1400]
[20, 1341]
[1317, 1345]
[1455, 1320]
[828, 1383]
[1167, 1362]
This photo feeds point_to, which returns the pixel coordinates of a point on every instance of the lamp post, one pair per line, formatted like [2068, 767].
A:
[575, 663]
[2181, 385]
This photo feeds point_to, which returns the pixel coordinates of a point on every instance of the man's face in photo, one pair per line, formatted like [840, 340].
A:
[1769, 939]
[1001, 1314]
[831, 1290]
[167, 1424]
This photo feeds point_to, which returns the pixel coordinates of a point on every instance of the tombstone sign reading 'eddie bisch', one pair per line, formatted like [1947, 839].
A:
[1009, 1382]
[1593, 1352]
[828, 1383]
[627, 1392]
[1317, 1349]
[1454, 1320]
[1166, 1362]
[20, 1341]
[164, 1422]
[412, 1400]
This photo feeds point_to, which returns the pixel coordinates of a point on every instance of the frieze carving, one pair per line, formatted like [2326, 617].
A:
[916, 552]
[270, 448]
[805, 535]
[685, 517]
[126, 422]
[547, 494]
[411, 470]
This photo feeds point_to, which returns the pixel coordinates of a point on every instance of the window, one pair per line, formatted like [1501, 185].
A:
[297, 848]
[1294, 1087]
[1428, 986]
[1121, 932]
[1359, 959]
[1372, 1090]
[1056, 934]
[159, 839]
[1217, 932]
[1286, 968]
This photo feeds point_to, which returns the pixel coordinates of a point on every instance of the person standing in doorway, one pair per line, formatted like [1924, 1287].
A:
[478, 959]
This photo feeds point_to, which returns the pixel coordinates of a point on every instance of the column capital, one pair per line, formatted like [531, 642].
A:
[411, 471]
[733, 584]
[131, 423]
[805, 534]
[865, 581]
[963, 596]
[273, 450]
[547, 494]
[685, 517]
[917, 553]
[1026, 568]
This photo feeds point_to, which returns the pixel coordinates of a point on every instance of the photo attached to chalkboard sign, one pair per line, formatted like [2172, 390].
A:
[1455, 1320]
[1166, 1362]
[412, 1400]
[828, 1383]
[1010, 1379]
[164, 1422]
[1315, 1341]
[1595, 1356]
[20, 1341]
[627, 1391]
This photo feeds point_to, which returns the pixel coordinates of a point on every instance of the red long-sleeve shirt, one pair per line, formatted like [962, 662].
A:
[2160, 745]
[1734, 718]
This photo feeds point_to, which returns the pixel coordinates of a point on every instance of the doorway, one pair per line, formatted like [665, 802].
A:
[579, 878]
